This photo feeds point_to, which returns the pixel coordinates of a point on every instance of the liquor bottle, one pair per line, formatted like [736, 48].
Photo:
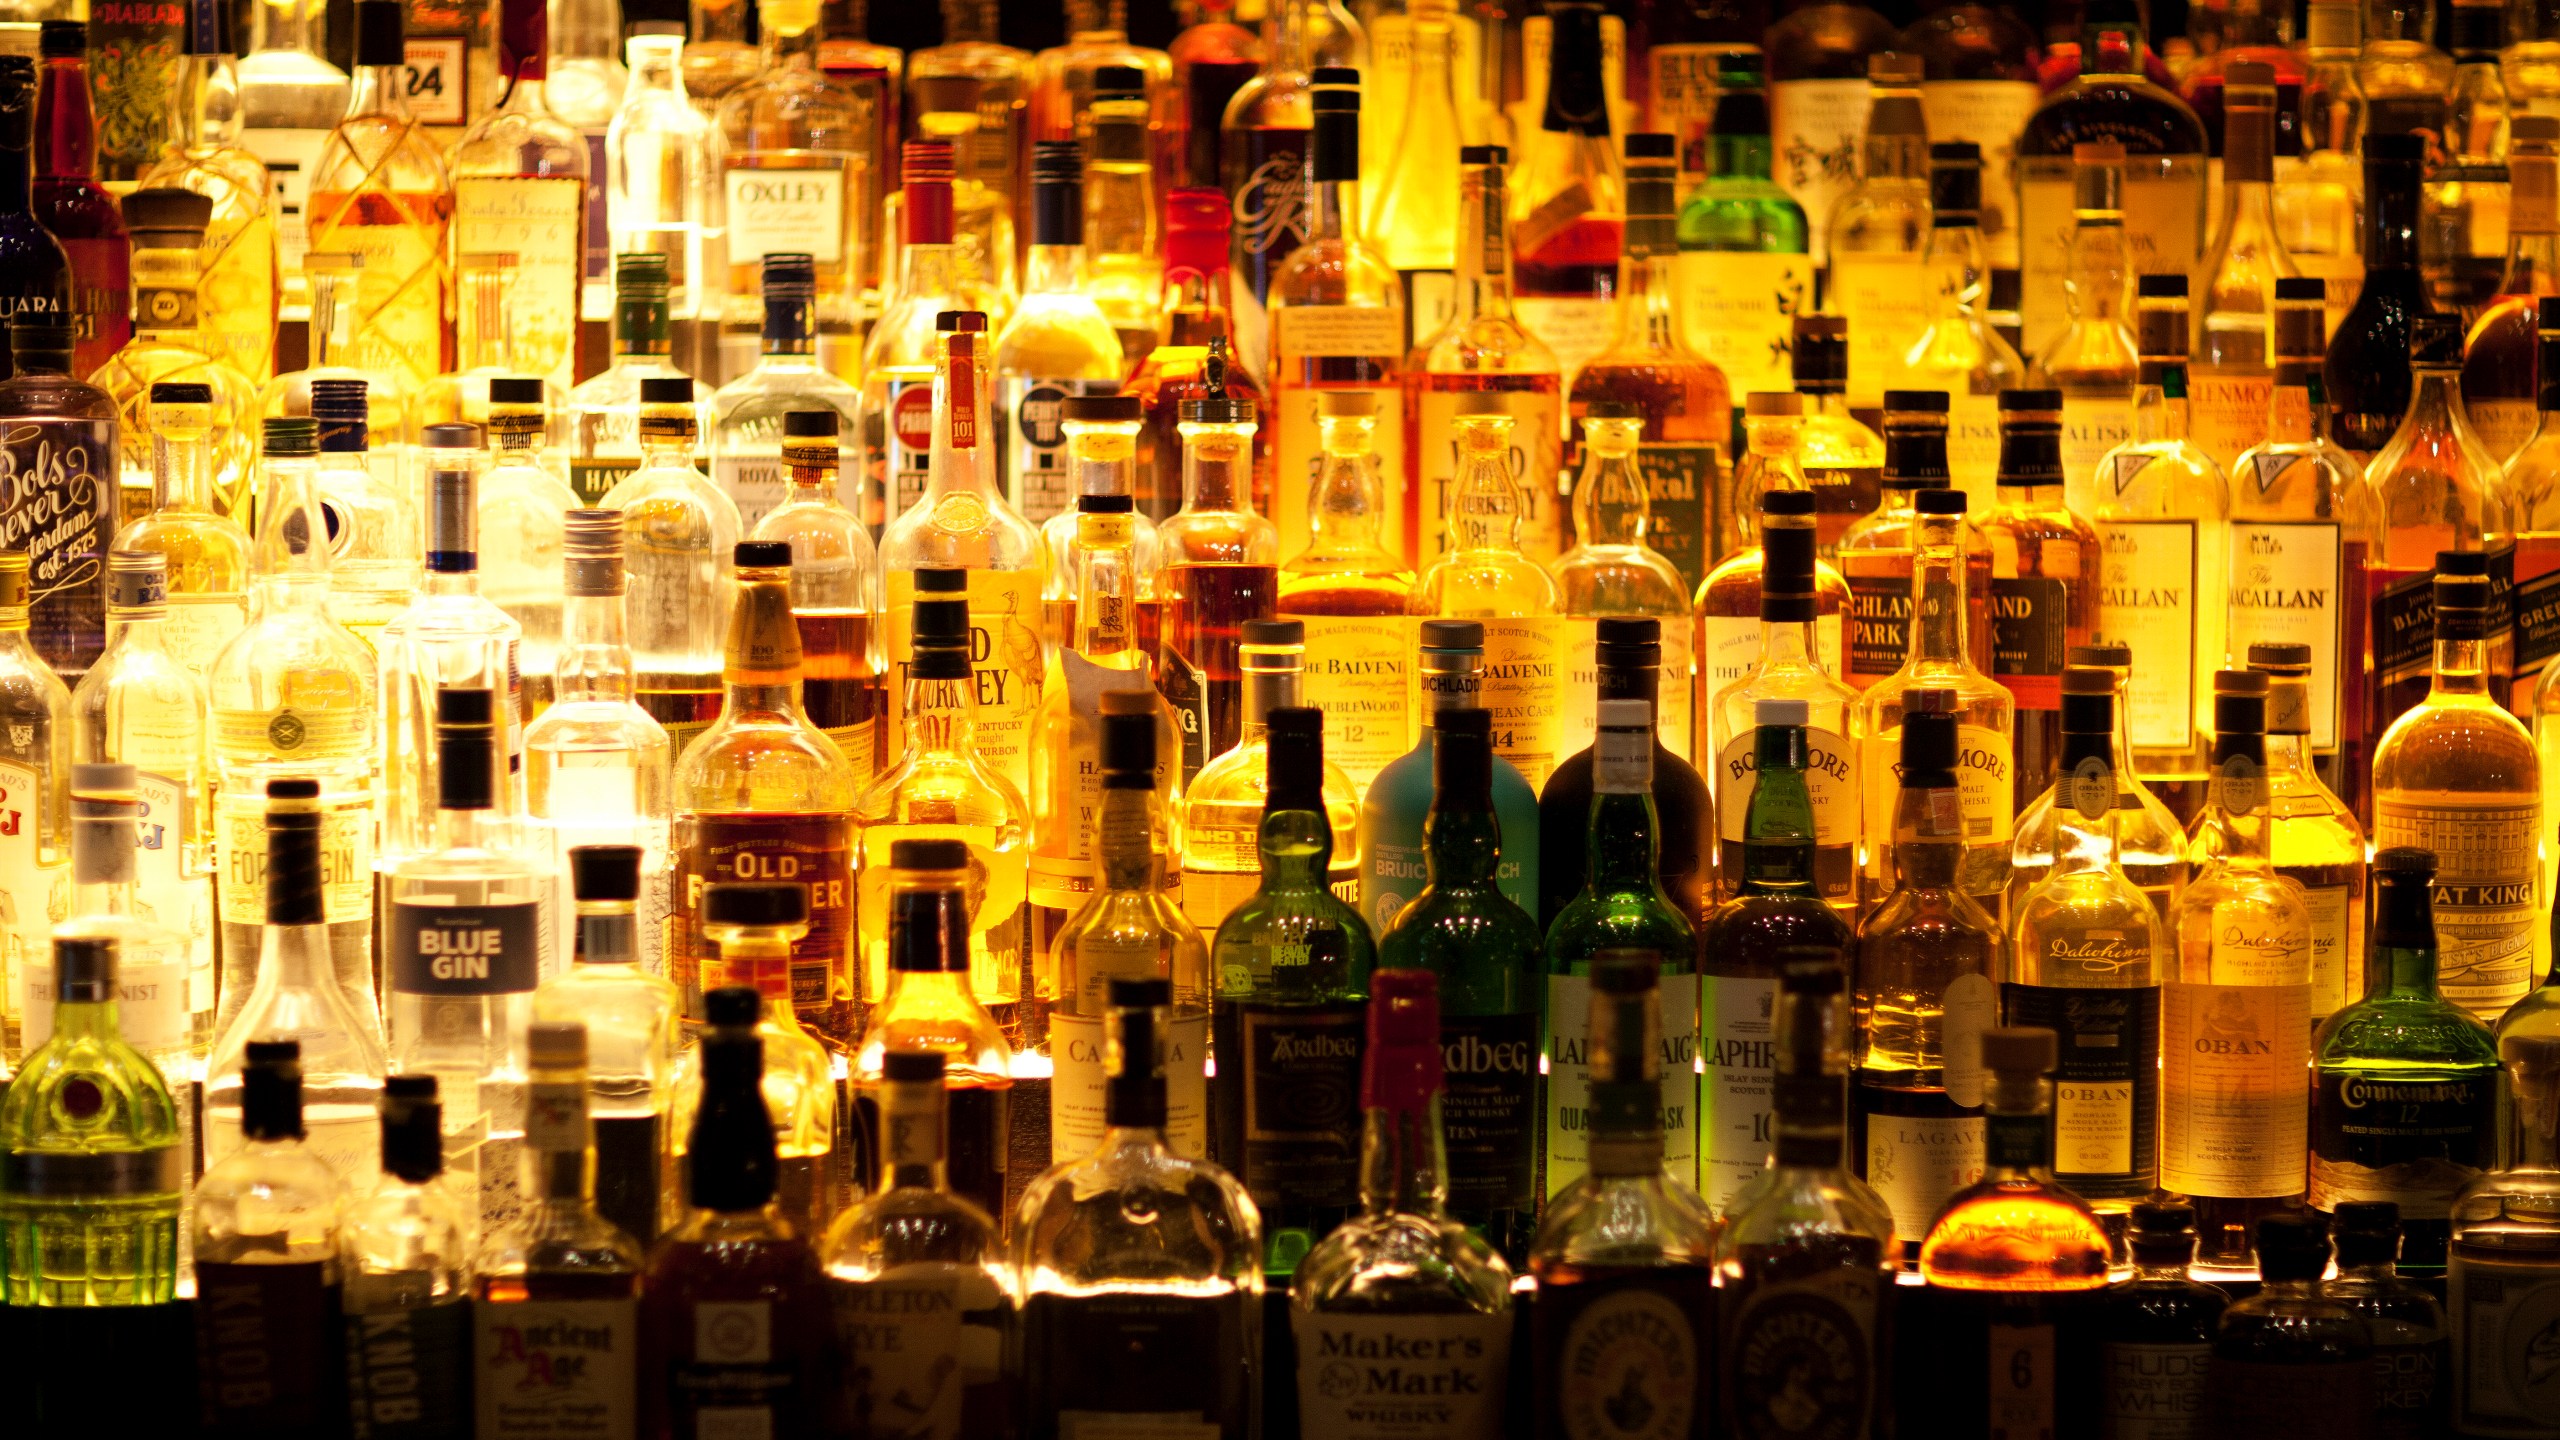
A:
[2112, 98]
[1224, 804]
[35, 779]
[1686, 402]
[167, 229]
[915, 1261]
[1879, 228]
[1483, 347]
[2020, 1256]
[555, 1291]
[1772, 431]
[1264, 142]
[596, 761]
[987, 81]
[2502, 1239]
[872, 74]
[70, 203]
[1293, 962]
[2412, 1344]
[2500, 377]
[2404, 1095]
[1611, 571]
[1776, 903]
[2476, 102]
[1197, 291]
[62, 511]
[1743, 271]
[1568, 199]
[1351, 591]
[2093, 361]
[1957, 350]
[293, 699]
[2535, 512]
[380, 190]
[961, 519]
[2151, 846]
[206, 154]
[721, 56]
[2232, 1114]
[405, 1257]
[1123, 219]
[290, 97]
[1980, 64]
[1628, 1236]
[1875, 552]
[798, 170]
[1410, 136]
[2088, 953]
[944, 784]
[520, 182]
[1928, 957]
[1057, 344]
[1483, 952]
[374, 548]
[266, 1232]
[1622, 902]
[604, 411]
[763, 794]
[1842, 459]
[522, 535]
[1627, 659]
[329, 331]
[835, 590]
[747, 414]
[2155, 1333]
[1103, 435]
[1395, 808]
[755, 928]
[1819, 101]
[665, 194]
[631, 1014]
[1064, 76]
[1405, 1270]
[2235, 350]
[1985, 710]
[1213, 58]
[2304, 528]
[734, 1325]
[2289, 1354]
[2366, 373]
[1142, 1269]
[39, 269]
[2317, 202]
[1218, 571]
[679, 530]
[2457, 775]
[927, 1003]
[2048, 601]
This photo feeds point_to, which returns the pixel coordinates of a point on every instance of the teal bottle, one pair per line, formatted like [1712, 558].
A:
[1485, 950]
[1393, 864]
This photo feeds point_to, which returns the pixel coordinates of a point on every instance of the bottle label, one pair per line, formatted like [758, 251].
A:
[1991, 114]
[1001, 878]
[1489, 1111]
[1880, 627]
[1736, 1030]
[1535, 404]
[1032, 409]
[1815, 127]
[2227, 413]
[2163, 223]
[1093, 1355]
[1004, 649]
[2413, 1138]
[399, 329]
[154, 1005]
[557, 1369]
[1680, 482]
[2335, 929]
[2502, 425]
[1887, 303]
[1800, 1359]
[1568, 1069]
[409, 1369]
[1270, 209]
[1063, 874]
[2411, 1367]
[1523, 670]
[2403, 642]
[2507, 1312]
[1830, 775]
[1739, 308]
[1680, 98]
[267, 1339]
[1210, 896]
[2030, 638]
[2287, 586]
[33, 895]
[787, 201]
[1575, 327]
[1676, 690]
[438, 79]
[2020, 1384]
[2236, 1082]
[1359, 671]
[290, 156]
[2094, 422]
[455, 951]
[1390, 1377]
[60, 480]
[1973, 449]
[535, 219]
[1915, 1162]
[1297, 1116]
[730, 1380]
[2147, 600]
[906, 446]
[918, 1338]
[2153, 1392]
[1626, 1356]
[346, 858]
[1076, 1045]
[2486, 881]
[2106, 1085]
[811, 850]
[2293, 1396]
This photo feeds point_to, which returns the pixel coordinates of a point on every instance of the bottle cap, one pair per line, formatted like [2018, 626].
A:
[1461, 634]
[760, 555]
[1346, 404]
[1104, 409]
[960, 322]
[2019, 1050]
[666, 390]
[1272, 633]
[556, 1044]
[381, 33]
[1937, 500]
[515, 390]
[2161, 287]
[1483, 155]
[2306, 287]
[412, 1128]
[914, 1067]
[168, 212]
[290, 435]
[811, 424]
[934, 854]
[1787, 502]
[753, 905]
[1773, 402]
[2030, 400]
[732, 1005]
[453, 435]
[2292, 1247]
[1923, 402]
[174, 392]
[605, 874]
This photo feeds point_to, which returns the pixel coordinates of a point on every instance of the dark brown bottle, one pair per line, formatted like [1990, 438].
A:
[1629, 654]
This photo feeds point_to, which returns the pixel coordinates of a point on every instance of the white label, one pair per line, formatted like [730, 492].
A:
[1568, 1116]
[912, 1353]
[33, 895]
[1887, 302]
[535, 219]
[557, 1370]
[1990, 113]
[151, 997]
[1739, 308]
[1973, 449]
[1035, 441]
[1076, 1094]
[1575, 327]
[2092, 1127]
[1396, 1377]
[1359, 671]
[1968, 1006]
[2486, 905]
[2286, 579]
[1352, 331]
[787, 208]
[1737, 1028]
[2227, 413]
[2147, 600]
[2093, 423]
[1731, 648]
[1830, 775]
[2334, 986]
[2506, 1324]
[756, 483]
[437, 82]
[289, 156]
[159, 853]
[1916, 1163]
[2235, 1091]
[1815, 127]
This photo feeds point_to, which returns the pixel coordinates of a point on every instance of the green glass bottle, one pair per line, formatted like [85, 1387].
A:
[1622, 905]
[1293, 965]
[2404, 1092]
[1744, 274]
[1393, 867]
[1485, 950]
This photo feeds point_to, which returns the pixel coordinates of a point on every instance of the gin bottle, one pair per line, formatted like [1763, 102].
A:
[166, 1002]
[374, 548]
[67, 496]
[290, 98]
[523, 497]
[604, 411]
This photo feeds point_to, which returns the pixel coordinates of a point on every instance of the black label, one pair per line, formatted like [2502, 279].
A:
[1185, 690]
[1620, 1354]
[2537, 606]
[1270, 189]
[2030, 638]
[1489, 1110]
[2502, 589]
[409, 1372]
[451, 951]
[1799, 1365]
[1879, 624]
[2379, 1123]
[2110, 1050]
[267, 1348]
[60, 476]
[1115, 1352]
[2404, 641]
[1678, 479]
[1291, 1106]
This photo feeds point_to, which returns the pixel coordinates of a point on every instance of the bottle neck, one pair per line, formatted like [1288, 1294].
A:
[1648, 306]
[1937, 592]
[2238, 794]
[1483, 252]
[1611, 506]
[1054, 270]
[1928, 838]
[1462, 841]
[1344, 513]
[1125, 840]
[2462, 660]
[942, 715]
[2085, 843]
[285, 25]
[2390, 216]
[1403, 1169]
[1217, 467]
[594, 661]
[181, 470]
[66, 143]
[1777, 835]
[380, 92]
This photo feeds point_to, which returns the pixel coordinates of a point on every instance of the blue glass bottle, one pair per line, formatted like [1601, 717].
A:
[35, 274]
[1392, 870]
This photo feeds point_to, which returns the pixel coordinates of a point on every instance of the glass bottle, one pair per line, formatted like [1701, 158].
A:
[583, 87]
[631, 1016]
[1351, 591]
[1218, 571]
[665, 193]
[604, 411]
[1142, 1269]
[835, 590]
[678, 532]
[756, 927]
[405, 1256]
[555, 1291]
[1957, 350]
[2289, 1354]
[1057, 345]
[2317, 203]
[2093, 361]
[798, 170]
[1395, 809]
[2412, 1344]
[1818, 100]
[901, 355]
[374, 546]
[1875, 552]
[1842, 459]
[1879, 228]
[520, 182]
[1263, 144]
[1404, 1267]
[2156, 1332]
[2235, 349]
[1224, 804]
[523, 497]
[1411, 134]
[62, 508]
[380, 190]
[1214, 56]
[290, 98]
[1195, 317]
[1611, 571]
[1568, 200]
[1123, 220]
[1743, 270]
[987, 84]
[1103, 433]
[2476, 102]
[35, 781]
[167, 228]
[1627, 659]
[39, 269]
[748, 414]
[1981, 85]
[2047, 601]
[2151, 846]
[268, 1268]
[2503, 1242]
[2366, 373]
[2500, 376]
[1064, 77]
[722, 53]
[2535, 510]
[70, 203]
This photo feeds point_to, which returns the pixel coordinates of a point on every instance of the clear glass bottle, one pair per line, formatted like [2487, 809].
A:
[1124, 240]
[835, 591]
[164, 997]
[375, 537]
[380, 189]
[290, 99]
[2235, 342]
[584, 88]
[167, 228]
[2289, 1354]
[747, 414]
[2500, 350]
[971, 78]
[1875, 552]
[1224, 805]
[2504, 1245]
[1412, 132]
[35, 779]
[799, 169]
[678, 531]
[1957, 350]
[1842, 459]
[1352, 591]
[2151, 846]
[1219, 571]
[604, 411]
[329, 331]
[663, 155]
[756, 928]
[405, 1256]
[2093, 361]
[1057, 344]
[1612, 570]
[520, 183]
[1743, 268]
[1880, 228]
[2317, 202]
[523, 497]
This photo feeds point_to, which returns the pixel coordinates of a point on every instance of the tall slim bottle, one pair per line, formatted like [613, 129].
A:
[2235, 350]
[2047, 601]
[380, 191]
[2093, 362]
[633, 1015]
[1057, 345]
[678, 530]
[69, 201]
[662, 157]
[1219, 570]
[1958, 350]
[1568, 198]
[1879, 228]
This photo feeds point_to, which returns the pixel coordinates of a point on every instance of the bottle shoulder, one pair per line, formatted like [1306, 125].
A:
[2384, 1034]
[1396, 1263]
[1622, 1221]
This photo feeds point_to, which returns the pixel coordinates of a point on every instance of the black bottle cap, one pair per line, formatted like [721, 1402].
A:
[1272, 632]
[606, 874]
[1462, 759]
[1622, 630]
[466, 758]
[811, 424]
[1483, 155]
[1923, 402]
[166, 211]
[1101, 409]
[209, 27]
[1820, 362]
[2367, 1232]
[1928, 743]
[62, 39]
[729, 1159]
[2306, 287]
[1128, 739]
[1577, 101]
[45, 347]
[1134, 1093]
[84, 969]
[412, 1128]
[665, 390]
[750, 903]
[1652, 145]
[1612, 410]
[732, 1005]
[1938, 500]
[1955, 183]
[1057, 192]
[760, 554]
[1296, 771]
[942, 580]
[2399, 148]
[2164, 1218]
[1787, 595]
[2160, 287]
[271, 1090]
[1787, 502]
[914, 1067]
[289, 435]
[1119, 80]
[960, 322]
[2030, 400]
[293, 853]
[2239, 703]
[1106, 505]
[930, 854]
[2292, 1247]
[928, 924]
[2088, 706]
[2404, 915]
[1335, 76]
[381, 33]
[515, 390]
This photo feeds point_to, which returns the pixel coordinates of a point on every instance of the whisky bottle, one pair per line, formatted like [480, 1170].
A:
[243, 274]
[1197, 292]
[678, 530]
[835, 590]
[266, 1233]
[1875, 552]
[40, 283]
[1772, 435]
[1957, 350]
[2366, 372]
[1818, 100]
[1263, 144]
[1568, 199]
[1395, 809]
[2404, 1100]
[1928, 959]
[1103, 434]
[1621, 902]
[2019, 1256]
[375, 549]
[1842, 459]
[1159, 1319]
[1124, 231]
[2502, 1240]
[631, 1016]
[2235, 350]
[2093, 361]
[2535, 514]
[1628, 1237]
[69, 201]
[1409, 135]
[747, 414]
[2288, 1355]
[289, 98]
[901, 355]
[2087, 954]
[1066, 77]
[2315, 203]
[2045, 571]
[1056, 346]
[2476, 101]
[997, 87]
[2235, 1012]
[520, 182]
[1351, 589]
[2156, 1327]
[1223, 806]
[1879, 227]
[2412, 1344]
[2500, 376]
[764, 795]
[756, 928]
[555, 1292]
[380, 190]
[2151, 846]
[1627, 656]
[1611, 571]
[801, 168]
[1743, 271]
[168, 228]
[524, 495]
[1451, 1291]
[662, 153]
[405, 1249]
[604, 411]
[2457, 775]
[928, 1004]
[1219, 570]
